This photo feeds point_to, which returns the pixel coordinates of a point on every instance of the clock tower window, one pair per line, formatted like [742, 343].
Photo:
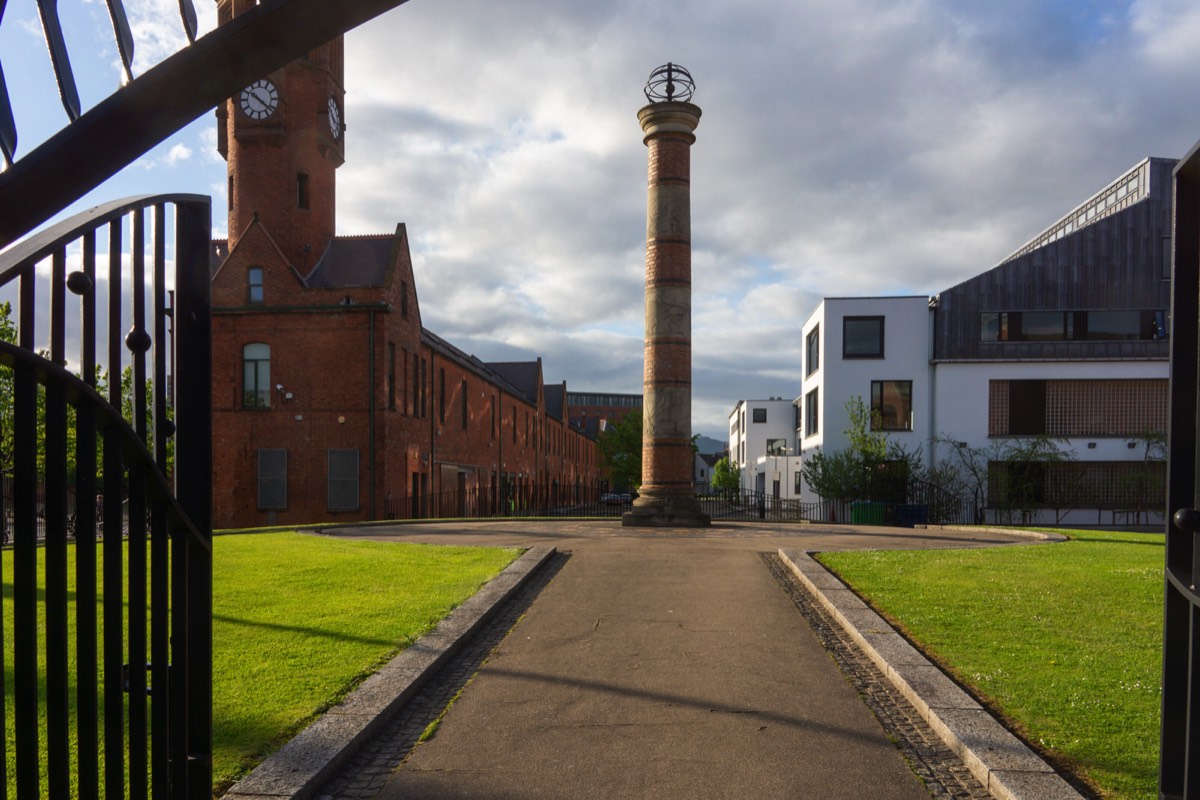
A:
[301, 190]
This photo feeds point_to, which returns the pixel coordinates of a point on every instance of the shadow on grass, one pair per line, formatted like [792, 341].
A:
[316, 632]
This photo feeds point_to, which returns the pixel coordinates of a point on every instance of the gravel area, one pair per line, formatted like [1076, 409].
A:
[943, 773]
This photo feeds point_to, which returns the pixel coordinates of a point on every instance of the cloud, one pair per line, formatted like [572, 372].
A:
[860, 148]
[178, 153]
[872, 147]
[158, 28]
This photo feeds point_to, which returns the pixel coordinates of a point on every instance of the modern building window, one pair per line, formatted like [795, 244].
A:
[891, 406]
[256, 375]
[343, 480]
[760, 415]
[777, 447]
[810, 412]
[1045, 326]
[1123, 324]
[254, 285]
[272, 479]
[993, 326]
[799, 483]
[862, 337]
[1055, 326]
[812, 351]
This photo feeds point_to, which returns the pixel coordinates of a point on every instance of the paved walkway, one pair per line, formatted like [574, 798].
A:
[661, 664]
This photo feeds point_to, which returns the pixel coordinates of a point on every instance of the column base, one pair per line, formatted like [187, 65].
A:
[670, 511]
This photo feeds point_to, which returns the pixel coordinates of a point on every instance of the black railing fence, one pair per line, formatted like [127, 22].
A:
[529, 500]
[924, 504]
[118, 703]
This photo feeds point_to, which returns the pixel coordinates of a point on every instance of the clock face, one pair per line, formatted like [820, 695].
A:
[335, 118]
[260, 99]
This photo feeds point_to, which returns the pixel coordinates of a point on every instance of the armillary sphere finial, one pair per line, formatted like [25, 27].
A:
[670, 83]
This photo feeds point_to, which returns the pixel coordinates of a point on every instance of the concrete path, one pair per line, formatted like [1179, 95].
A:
[661, 664]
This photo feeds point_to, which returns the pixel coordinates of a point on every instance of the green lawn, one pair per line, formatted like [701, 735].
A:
[1064, 640]
[299, 620]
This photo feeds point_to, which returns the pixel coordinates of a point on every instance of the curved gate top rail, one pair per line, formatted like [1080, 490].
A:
[161, 101]
[127, 494]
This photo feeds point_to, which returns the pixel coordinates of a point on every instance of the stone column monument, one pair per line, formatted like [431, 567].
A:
[667, 497]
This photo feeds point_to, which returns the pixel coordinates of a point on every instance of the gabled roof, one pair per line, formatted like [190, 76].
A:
[470, 362]
[219, 250]
[352, 261]
[522, 374]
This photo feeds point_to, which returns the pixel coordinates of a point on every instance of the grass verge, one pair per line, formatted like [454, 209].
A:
[1062, 640]
[299, 621]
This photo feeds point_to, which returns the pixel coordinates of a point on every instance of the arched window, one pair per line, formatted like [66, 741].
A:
[256, 376]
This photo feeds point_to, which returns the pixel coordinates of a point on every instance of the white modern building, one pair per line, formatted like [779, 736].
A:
[1065, 339]
[874, 348]
[762, 443]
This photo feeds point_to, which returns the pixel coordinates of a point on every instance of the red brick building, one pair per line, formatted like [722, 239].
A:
[330, 400]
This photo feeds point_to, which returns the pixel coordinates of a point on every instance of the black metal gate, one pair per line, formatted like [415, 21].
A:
[112, 662]
[119, 702]
[1179, 771]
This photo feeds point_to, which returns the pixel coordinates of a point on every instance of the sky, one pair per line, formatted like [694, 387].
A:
[856, 148]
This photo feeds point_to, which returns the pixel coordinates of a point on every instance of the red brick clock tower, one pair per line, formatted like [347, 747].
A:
[283, 136]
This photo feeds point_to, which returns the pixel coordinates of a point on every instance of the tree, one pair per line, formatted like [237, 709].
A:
[1142, 488]
[8, 333]
[621, 451]
[834, 476]
[726, 477]
[1015, 477]
[872, 468]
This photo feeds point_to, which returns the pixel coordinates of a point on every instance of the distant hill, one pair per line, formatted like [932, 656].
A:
[708, 445]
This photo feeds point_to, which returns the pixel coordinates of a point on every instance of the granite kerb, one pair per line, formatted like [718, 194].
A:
[300, 767]
[1006, 766]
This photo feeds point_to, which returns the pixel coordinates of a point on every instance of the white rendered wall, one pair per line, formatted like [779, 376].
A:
[960, 395]
[780, 424]
[906, 350]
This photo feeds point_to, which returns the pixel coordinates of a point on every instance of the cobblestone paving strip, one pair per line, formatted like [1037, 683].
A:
[366, 772]
[943, 772]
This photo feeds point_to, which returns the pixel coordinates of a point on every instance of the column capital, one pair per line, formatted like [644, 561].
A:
[669, 117]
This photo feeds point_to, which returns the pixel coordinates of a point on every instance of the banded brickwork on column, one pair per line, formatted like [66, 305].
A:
[666, 496]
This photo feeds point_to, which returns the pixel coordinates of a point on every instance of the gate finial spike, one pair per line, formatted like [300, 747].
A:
[116, 12]
[52, 27]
